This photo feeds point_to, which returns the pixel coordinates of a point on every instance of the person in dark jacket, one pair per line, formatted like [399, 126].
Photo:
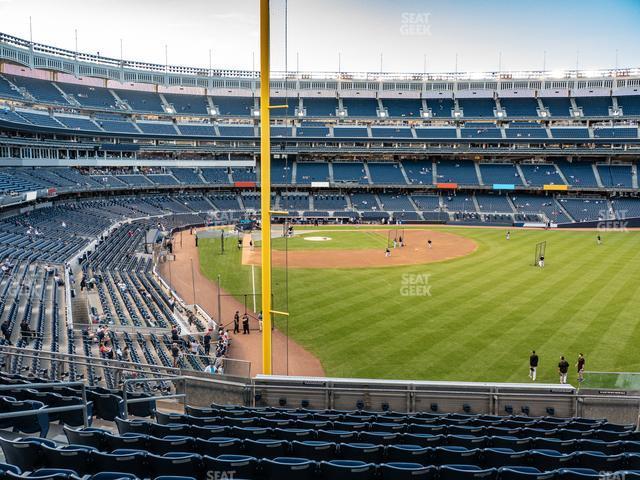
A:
[533, 365]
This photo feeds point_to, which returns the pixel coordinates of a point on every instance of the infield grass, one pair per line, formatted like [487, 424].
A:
[484, 314]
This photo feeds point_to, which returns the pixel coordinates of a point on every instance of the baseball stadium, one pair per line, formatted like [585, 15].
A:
[271, 272]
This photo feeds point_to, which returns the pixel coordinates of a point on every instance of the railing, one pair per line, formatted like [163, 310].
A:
[67, 298]
[36, 386]
[30, 48]
[231, 366]
[145, 399]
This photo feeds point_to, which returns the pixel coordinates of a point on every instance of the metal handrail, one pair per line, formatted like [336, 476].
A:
[35, 386]
[158, 397]
[100, 362]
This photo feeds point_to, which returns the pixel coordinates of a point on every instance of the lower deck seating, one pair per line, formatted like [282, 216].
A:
[265, 443]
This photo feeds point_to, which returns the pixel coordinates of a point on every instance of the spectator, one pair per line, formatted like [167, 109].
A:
[25, 331]
[175, 353]
[207, 342]
[174, 335]
[5, 330]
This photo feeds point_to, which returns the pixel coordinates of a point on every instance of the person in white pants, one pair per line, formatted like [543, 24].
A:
[533, 366]
[563, 369]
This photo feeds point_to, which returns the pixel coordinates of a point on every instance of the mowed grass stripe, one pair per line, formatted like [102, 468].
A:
[559, 331]
[487, 311]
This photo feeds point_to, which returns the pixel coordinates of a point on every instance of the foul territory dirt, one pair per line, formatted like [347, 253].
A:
[288, 357]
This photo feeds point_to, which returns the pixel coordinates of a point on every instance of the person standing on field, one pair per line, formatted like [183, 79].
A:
[580, 367]
[236, 322]
[563, 369]
[533, 365]
[245, 324]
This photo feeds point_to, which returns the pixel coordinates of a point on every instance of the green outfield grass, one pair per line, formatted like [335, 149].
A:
[485, 313]
[343, 240]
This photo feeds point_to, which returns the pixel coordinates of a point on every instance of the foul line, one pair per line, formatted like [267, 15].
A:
[253, 286]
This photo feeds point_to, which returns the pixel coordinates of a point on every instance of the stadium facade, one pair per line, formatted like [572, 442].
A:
[500, 147]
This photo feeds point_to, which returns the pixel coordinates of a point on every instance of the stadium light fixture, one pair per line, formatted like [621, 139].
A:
[382, 114]
[457, 114]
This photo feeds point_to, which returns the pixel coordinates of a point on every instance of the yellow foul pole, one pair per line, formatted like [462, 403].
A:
[265, 184]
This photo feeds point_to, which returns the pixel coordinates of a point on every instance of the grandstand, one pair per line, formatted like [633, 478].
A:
[108, 165]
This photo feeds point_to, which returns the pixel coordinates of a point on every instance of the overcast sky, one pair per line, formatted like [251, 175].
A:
[587, 32]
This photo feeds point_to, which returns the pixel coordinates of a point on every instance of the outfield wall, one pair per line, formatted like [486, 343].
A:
[445, 397]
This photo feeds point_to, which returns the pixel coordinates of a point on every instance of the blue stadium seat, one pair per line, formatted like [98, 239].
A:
[72, 457]
[299, 434]
[133, 426]
[423, 439]
[366, 452]
[503, 457]
[174, 429]
[244, 466]
[378, 437]
[25, 453]
[347, 470]
[314, 449]
[455, 456]
[5, 467]
[549, 459]
[577, 474]
[287, 467]
[599, 461]
[170, 443]
[174, 477]
[127, 440]
[217, 446]
[113, 476]
[175, 463]
[336, 435]
[409, 454]
[47, 474]
[562, 446]
[90, 437]
[132, 462]
[406, 471]
[266, 448]
[462, 472]
[523, 473]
